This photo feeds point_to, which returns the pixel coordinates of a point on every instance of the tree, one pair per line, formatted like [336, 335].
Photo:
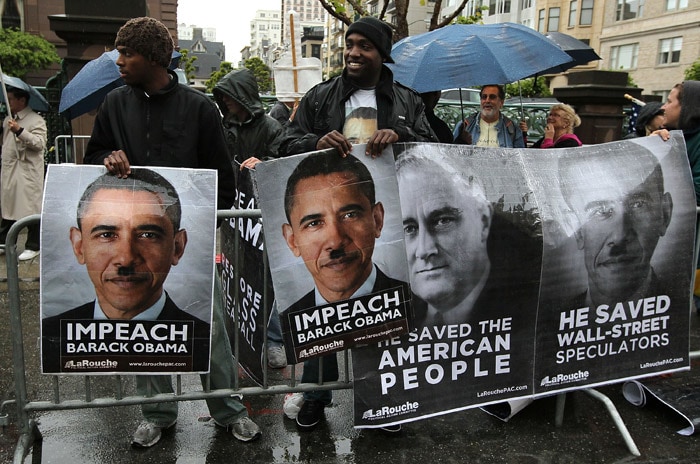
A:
[262, 73]
[476, 18]
[22, 53]
[187, 63]
[216, 76]
[256, 65]
[336, 8]
[528, 88]
[693, 72]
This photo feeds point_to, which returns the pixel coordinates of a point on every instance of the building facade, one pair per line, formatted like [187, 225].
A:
[265, 35]
[209, 55]
[654, 41]
[187, 32]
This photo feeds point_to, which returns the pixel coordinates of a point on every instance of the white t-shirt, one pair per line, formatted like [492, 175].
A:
[489, 134]
[360, 116]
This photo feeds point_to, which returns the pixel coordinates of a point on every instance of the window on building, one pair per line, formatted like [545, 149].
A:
[10, 15]
[661, 93]
[499, 6]
[629, 9]
[670, 50]
[586, 18]
[526, 4]
[553, 22]
[624, 56]
[676, 4]
[573, 6]
[540, 21]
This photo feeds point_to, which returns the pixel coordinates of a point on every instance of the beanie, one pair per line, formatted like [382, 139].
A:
[378, 32]
[148, 37]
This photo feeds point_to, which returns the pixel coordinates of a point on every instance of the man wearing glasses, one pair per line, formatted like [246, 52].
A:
[489, 127]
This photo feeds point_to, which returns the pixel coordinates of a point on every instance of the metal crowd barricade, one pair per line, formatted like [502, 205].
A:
[68, 147]
[29, 430]
[28, 427]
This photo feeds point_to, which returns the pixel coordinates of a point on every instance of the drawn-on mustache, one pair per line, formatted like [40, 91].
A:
[126, 271]
[337, 254]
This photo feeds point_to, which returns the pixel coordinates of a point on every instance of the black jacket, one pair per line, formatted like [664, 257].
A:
[322, 110]
[261, 135]
[175, 127]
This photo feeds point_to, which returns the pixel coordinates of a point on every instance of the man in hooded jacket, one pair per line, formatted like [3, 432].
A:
[251, 136]
[249, 131]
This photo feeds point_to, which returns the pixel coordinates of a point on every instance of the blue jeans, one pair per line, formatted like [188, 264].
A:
[222, 371]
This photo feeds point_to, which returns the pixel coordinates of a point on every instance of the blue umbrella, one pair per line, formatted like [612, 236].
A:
[93, 82]
[37, 102]
[463, 55]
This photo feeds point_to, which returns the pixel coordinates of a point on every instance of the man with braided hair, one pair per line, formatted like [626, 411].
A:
[155, 121]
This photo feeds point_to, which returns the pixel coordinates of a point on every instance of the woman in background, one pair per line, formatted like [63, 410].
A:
[559, 132]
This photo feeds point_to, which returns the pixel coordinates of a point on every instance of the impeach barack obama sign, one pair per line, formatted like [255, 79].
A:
[334, 239]
[127, 270]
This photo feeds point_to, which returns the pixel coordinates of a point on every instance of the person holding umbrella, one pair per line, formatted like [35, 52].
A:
[489, 127]
[23, 146]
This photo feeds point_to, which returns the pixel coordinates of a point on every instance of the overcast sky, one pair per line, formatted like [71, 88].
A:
[230, 18]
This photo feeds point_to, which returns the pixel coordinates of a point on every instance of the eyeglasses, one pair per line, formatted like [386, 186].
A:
[491, 96]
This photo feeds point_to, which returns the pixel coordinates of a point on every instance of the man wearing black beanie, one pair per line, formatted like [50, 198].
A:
[334, 111]
[365, 82]
[155, 121]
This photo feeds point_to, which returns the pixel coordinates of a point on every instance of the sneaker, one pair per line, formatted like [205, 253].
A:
[244, 429]
[26, 255]
[148, 434]
[310, 414]
[276, 356]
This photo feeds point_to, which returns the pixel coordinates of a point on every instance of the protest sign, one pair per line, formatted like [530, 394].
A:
[335, 246]
[133, 257]
[673, 393]
[474, 248]
[615, 292]
[583, 278]
[244, 290]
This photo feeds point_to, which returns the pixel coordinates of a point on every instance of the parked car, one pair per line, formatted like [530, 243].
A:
[453, 96]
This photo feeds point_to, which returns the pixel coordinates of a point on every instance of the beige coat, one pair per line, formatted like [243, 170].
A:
[22, 176]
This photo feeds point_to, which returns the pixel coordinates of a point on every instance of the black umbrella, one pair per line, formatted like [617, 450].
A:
[580, 52]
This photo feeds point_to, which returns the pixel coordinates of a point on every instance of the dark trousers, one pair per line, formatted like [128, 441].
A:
[311, 375]
[32, 234]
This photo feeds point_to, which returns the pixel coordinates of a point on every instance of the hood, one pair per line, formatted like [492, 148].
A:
[239, 84]
[689, 120]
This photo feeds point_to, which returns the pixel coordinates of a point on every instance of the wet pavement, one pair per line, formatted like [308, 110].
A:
[103, 435]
